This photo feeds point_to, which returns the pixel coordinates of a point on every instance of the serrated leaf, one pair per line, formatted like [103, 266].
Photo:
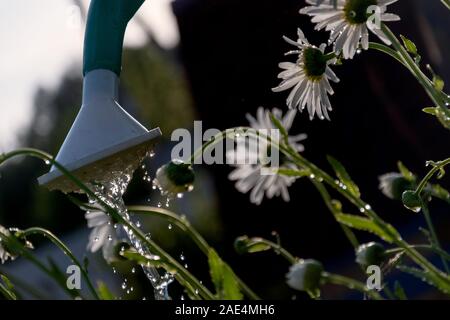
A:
[366, 224]
[343, 175]
[103, 291]
[406, 173]
[399, 291]
[424, 276]
[223, 278]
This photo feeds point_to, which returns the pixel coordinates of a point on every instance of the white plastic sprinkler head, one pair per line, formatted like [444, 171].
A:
[104, 140]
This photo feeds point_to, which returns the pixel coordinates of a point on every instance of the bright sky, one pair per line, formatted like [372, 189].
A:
[39, 40]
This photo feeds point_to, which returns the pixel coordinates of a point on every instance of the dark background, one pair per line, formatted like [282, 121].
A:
[225, 67]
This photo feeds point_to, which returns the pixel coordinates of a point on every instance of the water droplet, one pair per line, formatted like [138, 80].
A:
[362, 210]
[179, 195]
[96, 239]
[159, 205]
[170, 226]
[124, 285]
[182, 257]
[182, 297]
[110, 238]
[368, 207]
[138, 224]
[47, 162]
[312, 176]
[358, 51]
[186, 266]
[196, 291]
[133, 270]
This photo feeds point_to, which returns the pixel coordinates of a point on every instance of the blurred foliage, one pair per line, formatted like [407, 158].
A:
[159, 89]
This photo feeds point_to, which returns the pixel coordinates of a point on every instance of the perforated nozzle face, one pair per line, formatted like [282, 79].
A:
[103, 166]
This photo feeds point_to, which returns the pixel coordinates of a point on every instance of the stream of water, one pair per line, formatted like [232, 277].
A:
[111, 192]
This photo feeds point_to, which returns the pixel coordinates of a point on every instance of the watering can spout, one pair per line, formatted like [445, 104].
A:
[104, 139]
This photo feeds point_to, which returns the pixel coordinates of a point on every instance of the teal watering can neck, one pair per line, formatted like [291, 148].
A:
[105, 31]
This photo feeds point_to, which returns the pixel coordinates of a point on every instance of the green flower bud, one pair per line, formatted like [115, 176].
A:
[175, 177]
[305, 275]
[411, 200]
[393, 184]
[369, 254]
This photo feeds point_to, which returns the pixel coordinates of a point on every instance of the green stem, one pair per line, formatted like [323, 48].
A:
[436, 168]
[351, 284]
[446, 3]
[390, 52]
[203, 291]
[48, 235]
[415, 70]
[277, 249]
[434, 237]
[186, 227]
[24, 252]
[6, 293]
[319, 174]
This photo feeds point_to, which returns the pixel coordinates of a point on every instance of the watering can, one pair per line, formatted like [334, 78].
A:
[104, 139]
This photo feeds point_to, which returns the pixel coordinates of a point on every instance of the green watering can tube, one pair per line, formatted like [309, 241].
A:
[105, 30]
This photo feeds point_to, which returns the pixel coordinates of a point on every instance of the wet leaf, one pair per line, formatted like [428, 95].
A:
[104, 292]
[343, 175]
[366, 224]
[223, 278]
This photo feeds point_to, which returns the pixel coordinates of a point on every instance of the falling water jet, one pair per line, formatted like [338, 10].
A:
[105, 145]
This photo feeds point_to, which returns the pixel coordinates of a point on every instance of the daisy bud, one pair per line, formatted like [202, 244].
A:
[392, 185]
[175, 177]
[369, 254]
[411, 200]
[305, 275]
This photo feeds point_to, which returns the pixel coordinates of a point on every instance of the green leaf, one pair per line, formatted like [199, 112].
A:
[293, 173]
[409, 45]
[343, 175]
[439, 192]
[223, 278]
[406, 173]
[424, 276]
[430, 110]
[365, 224]
[399, 291]
[104, 292]
[7, 290]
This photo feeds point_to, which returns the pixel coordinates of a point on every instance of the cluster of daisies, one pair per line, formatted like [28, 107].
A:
[348, 22]
[308, 79]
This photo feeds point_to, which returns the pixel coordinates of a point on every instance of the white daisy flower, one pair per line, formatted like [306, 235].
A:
[248, 176]
[350, 22]
[103, 234]
[309, 77]
[4, 253]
